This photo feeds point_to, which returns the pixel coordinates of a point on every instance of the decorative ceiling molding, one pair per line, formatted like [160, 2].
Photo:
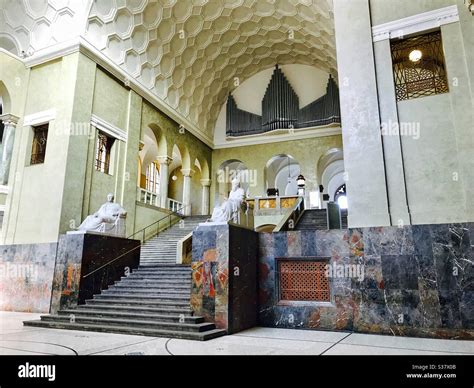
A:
[192, 54]
[32, 25]
[108, 128]
[416, 23]
[182, 56]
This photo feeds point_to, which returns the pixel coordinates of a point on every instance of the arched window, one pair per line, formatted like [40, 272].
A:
[152, 178]
[340, 197]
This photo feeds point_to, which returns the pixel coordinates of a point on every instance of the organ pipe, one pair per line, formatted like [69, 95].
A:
[280, 109]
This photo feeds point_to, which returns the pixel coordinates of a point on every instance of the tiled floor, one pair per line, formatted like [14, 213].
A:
[15, 339]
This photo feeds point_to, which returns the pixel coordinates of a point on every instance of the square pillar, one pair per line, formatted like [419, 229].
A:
[224, 275]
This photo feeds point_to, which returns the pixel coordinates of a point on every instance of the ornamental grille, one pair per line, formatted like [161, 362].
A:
[304, 280]
[423, 77]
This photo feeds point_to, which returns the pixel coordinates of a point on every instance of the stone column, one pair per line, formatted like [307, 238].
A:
[206, 184]
[361, 132]
[164, 162]
[187, 173]
[9, 121]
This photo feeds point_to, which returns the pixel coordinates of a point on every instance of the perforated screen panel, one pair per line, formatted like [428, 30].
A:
[304, 280]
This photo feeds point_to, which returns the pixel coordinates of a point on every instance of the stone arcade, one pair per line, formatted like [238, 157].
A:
[293, 164]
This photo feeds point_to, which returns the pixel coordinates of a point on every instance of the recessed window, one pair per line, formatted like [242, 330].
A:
[103, 152]
[38, 147]
[419, 68]
[303, 280]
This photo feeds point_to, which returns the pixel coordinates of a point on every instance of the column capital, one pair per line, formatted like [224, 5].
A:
[164, 160]
[9, 119]
[187, 172]
[206, 182]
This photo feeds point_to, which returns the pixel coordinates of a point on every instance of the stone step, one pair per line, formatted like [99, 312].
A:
[136, 309]
[129, 330]
[151, 272]
[159, 271]
[158, 292]
[166, 267]
[160, 284]
[136, 302]
[167, 279]
[177, 318]
[152, 285]
[175, 266]
[151, 324]
[144, 297]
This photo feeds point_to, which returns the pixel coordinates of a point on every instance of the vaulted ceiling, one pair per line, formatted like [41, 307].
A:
[192, 53]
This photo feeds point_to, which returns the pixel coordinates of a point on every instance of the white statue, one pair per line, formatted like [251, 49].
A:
[109, 219]
[229, 209]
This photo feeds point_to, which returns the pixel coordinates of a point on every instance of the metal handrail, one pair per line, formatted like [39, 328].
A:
[141, 242]
[158, 222]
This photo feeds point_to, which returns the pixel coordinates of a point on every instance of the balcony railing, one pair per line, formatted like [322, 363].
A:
[148, 197]
[151, 198]
[175, 206]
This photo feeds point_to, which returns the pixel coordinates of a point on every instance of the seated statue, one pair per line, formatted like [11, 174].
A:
[109, 219]
[230, 208]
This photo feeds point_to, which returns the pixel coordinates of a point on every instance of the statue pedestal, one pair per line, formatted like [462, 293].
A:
[80, 272]
[224, 275]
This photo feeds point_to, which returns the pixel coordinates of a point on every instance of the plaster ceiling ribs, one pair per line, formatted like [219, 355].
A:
[31, 25]
[192, 53]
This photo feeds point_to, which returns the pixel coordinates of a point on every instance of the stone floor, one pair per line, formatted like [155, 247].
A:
[15, 339]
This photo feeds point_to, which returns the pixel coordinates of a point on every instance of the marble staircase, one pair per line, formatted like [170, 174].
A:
[154, 300]
[316, 219]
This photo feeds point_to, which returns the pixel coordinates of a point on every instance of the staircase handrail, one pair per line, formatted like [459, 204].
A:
[293, 214]
[180, 216]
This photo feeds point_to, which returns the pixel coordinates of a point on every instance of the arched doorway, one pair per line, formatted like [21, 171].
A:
[331, 175]
[281, 172]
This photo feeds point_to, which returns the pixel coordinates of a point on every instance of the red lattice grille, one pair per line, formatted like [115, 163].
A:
[302, 280]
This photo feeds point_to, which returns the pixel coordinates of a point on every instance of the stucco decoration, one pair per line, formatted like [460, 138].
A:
[27, 26]
[191, 54]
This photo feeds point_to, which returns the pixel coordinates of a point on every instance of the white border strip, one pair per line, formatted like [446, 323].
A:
[416, 23]
[108, 128]
[39, 118]
[3, 189]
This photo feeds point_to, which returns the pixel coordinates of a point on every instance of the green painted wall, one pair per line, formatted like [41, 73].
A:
[162, 126]
[35, 208]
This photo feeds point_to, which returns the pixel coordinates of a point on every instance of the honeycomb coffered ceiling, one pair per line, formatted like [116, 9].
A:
[189, 53]
[192, 53]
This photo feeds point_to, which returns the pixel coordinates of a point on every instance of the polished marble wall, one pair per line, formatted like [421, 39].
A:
[80, 266]
[26, 274]
[417, 280]
[224, 276]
